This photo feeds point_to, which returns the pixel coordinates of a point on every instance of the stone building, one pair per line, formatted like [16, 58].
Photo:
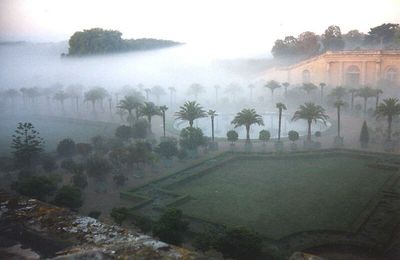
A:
[349, 68]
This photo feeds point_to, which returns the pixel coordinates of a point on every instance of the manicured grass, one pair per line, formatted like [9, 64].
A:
[279, 197]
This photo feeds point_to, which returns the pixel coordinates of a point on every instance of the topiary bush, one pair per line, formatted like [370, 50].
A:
[66, 147]
[232, 136]
[170, 227]
[37, 187]
[69, 196]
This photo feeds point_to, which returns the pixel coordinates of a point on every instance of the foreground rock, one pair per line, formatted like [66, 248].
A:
[31, 229]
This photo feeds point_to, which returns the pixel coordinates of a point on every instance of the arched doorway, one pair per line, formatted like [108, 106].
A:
[353, 76]
[391, 75]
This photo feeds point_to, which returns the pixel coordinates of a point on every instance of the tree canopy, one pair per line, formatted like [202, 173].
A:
[100, 41]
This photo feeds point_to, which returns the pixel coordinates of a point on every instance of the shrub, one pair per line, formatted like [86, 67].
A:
[120, 179]
[240, 243]
[191, 138]
[144, 223]
[208, 240]
[99, 143]
[139, 129]
[68, 164]
[69, 196]
[48, 163]
[37, 187]
[264, 135]
[293, 136]
[80, 180]
[182, 154]
[124, 132]
[318, 134]
[6, 163]
[66, 147]
[94, 214]
[83, 149]
[98, 166]
[119, 215]
[232, 136]
[168, 148]
[170, 227]
[364, 135]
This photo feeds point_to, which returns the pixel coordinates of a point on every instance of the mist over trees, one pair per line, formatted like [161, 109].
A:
[100, 41]
[308, 44]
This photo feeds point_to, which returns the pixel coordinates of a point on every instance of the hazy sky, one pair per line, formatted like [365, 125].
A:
[241, 24]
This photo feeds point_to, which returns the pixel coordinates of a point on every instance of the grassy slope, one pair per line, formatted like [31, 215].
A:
[278, 197]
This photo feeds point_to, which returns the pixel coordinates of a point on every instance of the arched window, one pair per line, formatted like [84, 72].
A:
[391, 75]
[353, 76]
[306, 76]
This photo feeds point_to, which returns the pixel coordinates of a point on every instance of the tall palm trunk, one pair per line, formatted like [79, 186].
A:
[77, 103]
[247, 133]
[163, 120]
[322, 94]
[377, 102]
[191, 123]
[93, 106]
[212, 128]
[338, 119]
[149, 119]
[279, 127]
[309, 131]
[390, 119]
[365, 105]
[352, 100]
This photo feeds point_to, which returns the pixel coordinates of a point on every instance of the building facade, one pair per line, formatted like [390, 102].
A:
[343, 68]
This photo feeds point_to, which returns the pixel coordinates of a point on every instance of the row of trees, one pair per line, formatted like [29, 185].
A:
[308, 44]
[100, 41]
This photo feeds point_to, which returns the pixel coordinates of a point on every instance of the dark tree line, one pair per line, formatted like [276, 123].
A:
[308, 44]
[100, 41]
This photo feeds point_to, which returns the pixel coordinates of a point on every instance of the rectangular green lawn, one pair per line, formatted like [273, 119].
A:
[279, 197]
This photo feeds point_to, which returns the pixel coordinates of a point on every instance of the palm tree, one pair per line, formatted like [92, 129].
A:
[281, 107]
[158, 91]
[365, 93]
[148, 91]
[74, 92]
[190, 111]
[338, 103]
[163, 109]
[322, 85]
[247, 117]
[286, 85]
[338, 93]
[308, 87]
[212, 114]
[130, 103]
[352, 92]
[378, 92]
[61, 96]
[149, 109]
[272, 85]
[312, 113]
[216, 93]
[251, 87]
[195, 89]
[172, 92]
[233, 89]
[390, 108]
[11, 94]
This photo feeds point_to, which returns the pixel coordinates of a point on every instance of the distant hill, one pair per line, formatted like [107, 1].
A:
[11, 42]
[99, 41]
